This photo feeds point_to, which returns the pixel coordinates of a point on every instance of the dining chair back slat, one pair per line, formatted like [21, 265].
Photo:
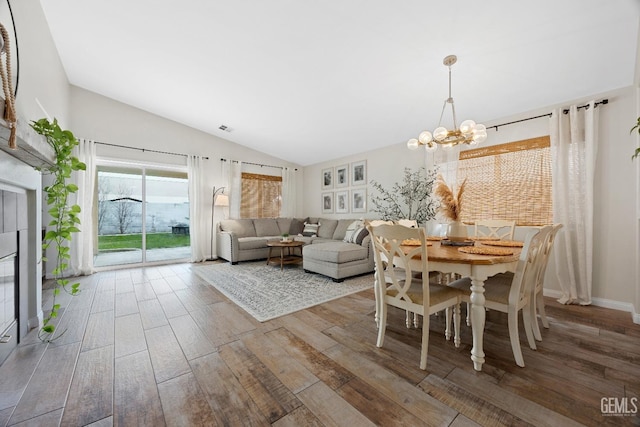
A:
[502, 229]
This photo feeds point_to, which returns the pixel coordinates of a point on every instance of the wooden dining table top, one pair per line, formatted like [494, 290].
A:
[445, 253]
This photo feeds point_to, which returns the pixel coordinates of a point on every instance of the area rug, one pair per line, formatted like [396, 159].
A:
[266, 292]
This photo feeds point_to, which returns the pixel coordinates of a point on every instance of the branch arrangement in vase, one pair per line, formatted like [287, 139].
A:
[450, 202]
[411, 199]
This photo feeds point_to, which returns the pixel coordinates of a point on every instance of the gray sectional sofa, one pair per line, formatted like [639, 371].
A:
[326, 252]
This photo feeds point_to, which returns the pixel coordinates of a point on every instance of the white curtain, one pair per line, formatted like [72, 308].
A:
[198, 202]
[234, 174]
[574, 147]
[82, 244]
[288, 206]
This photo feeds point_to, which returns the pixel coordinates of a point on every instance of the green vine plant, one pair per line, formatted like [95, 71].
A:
[411, 199]
[636, 127]
[65, 217]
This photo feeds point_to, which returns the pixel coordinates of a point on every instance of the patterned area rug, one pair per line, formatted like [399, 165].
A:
[266, 292]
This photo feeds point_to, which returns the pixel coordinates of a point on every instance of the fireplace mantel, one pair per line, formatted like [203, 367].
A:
[32, 149]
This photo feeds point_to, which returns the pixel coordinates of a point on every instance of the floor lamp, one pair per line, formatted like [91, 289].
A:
[218, 199]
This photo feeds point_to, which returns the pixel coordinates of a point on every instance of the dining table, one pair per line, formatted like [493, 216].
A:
[448, 259]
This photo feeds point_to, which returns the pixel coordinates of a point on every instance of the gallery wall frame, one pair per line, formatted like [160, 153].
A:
[342, 201]
[359, 200]
[327, 202]
[326, 178]
[342, 176]
[359, 173]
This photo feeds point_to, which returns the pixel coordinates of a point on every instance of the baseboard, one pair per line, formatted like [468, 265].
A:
[602, 302]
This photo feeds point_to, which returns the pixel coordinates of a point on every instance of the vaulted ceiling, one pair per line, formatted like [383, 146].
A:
[309, 81]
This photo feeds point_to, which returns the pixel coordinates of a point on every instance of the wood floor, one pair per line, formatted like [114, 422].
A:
[158, 346]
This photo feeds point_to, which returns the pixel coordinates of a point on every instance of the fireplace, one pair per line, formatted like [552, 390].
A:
[20, 234]
[9, 295]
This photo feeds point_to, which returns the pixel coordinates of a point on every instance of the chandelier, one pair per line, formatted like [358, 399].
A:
[468, 133]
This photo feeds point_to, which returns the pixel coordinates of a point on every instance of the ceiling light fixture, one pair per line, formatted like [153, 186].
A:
[468, 133]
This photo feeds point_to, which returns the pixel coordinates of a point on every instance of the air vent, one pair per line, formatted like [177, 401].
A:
[225, 128]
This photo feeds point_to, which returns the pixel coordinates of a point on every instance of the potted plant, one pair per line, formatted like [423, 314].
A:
[286, 238]
[64, 217]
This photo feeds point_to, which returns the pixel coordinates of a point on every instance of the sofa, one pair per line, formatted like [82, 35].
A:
[335, 248]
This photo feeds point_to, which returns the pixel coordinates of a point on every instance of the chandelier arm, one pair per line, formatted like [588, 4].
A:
[450, 83]
[453, 109]
[444, 105]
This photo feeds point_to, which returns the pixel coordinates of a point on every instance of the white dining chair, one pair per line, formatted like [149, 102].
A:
[512, 292]
[498, 228]
[400, 285]
[537, 308]
[411, 223]
[494, 228]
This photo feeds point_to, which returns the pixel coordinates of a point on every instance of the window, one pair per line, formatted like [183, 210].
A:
[261, 196]
[508, 181]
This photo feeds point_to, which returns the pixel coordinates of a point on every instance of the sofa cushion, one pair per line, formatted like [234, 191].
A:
[266, 227]
[284, 225]
[245, 243]
[336, 252]
[356, 233]
[341, 229]
[297, 226]
[240, 227]
[327, 228]
[310, 229]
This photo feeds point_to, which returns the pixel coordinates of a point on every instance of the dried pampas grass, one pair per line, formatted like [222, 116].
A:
[450, 203]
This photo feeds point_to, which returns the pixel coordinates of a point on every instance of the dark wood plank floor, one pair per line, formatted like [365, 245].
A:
[158, 346]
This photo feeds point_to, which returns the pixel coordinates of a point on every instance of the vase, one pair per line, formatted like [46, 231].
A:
[456, 231]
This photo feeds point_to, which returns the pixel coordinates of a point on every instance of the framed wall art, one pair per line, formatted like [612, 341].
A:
[359, 173]
[327, 203]
[342, 176]
[327, 178]
[342, 202]
[359, 200]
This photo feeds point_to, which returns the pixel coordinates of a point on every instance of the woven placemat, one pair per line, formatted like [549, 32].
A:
[505, 243]
[413, 242]
[434, 238]
[484, 238]
[483, 250]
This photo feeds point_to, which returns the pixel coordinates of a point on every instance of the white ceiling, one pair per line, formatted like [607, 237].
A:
[309, 81]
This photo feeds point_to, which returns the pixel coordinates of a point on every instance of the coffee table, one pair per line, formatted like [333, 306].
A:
[286, 255]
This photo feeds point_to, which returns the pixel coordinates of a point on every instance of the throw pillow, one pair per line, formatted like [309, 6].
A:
[356, 233]
[296, 227]
[310, 230]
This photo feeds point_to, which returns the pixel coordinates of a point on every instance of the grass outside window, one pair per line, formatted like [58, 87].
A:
[134, 241]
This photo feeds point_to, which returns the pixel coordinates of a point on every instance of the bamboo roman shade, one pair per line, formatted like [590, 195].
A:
[261, 196]
[508, 181]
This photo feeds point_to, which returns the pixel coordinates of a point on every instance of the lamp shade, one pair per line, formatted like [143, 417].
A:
[222, 200]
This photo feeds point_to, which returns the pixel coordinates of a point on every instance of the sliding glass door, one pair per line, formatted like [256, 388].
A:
[142, 215]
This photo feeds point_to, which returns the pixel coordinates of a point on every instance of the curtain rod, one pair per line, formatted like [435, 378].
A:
[565, 111]
[257, 164]
[144, 149]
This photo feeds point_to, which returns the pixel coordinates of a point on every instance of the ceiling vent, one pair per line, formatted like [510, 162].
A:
[225, 128]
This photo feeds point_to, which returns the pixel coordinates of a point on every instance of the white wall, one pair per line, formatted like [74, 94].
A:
[41, 73]
[615, 276]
